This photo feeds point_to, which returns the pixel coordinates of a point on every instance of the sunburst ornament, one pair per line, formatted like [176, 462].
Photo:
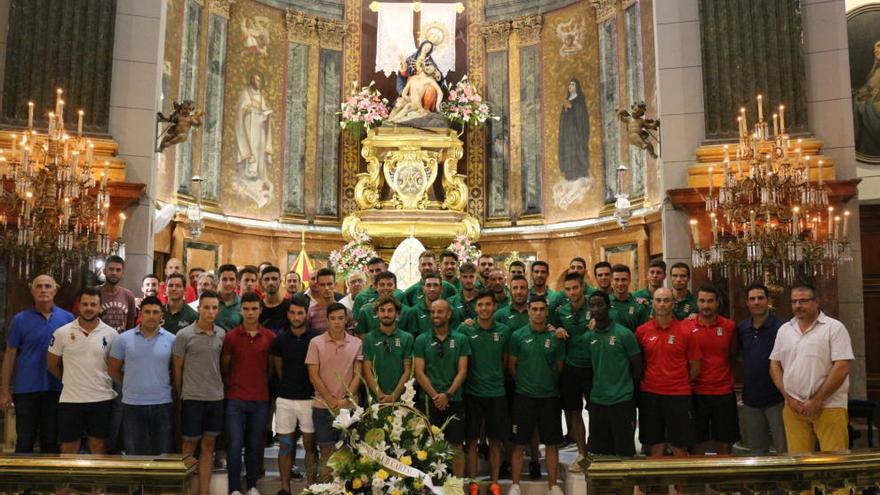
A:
[437, 33]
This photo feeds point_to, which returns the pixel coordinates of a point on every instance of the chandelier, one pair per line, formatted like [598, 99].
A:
[766, 217]
[53, 213]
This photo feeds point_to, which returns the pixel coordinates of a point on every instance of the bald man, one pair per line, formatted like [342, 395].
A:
[172, 266]
[25, 380]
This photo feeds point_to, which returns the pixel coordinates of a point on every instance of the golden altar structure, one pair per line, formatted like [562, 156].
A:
[399, 194]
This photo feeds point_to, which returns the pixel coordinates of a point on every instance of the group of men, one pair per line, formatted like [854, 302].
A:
[497, 357]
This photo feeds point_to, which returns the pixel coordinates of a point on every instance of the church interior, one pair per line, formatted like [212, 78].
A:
[738, 137]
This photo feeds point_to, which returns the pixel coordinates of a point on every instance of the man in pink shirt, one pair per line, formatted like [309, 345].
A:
[334, 360]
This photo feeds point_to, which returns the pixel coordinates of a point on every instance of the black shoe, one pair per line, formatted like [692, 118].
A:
[535, 470]
[504, 472]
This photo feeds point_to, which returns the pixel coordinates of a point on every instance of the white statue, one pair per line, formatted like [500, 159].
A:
[253, 133]
[405, 262]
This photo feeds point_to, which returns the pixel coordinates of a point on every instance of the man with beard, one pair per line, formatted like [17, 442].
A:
[36, 391]
[118, 308]
[540, 274]
[485, 264]
[229, 315]
[602, 273]
[77, 356]
[387, 353]
[625, 309]
[172, 266]
[273, 314]
[464, 303]
[516, 267]
[414, 294]
[149, 287]
[292, 284]
[417, 319]
[685, 302]
[448, 267]
[516, 314]
[656, 278]
[368, 320]
[498, 286]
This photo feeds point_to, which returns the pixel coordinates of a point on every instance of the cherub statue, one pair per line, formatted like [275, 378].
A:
[181, 119]
[639, 129]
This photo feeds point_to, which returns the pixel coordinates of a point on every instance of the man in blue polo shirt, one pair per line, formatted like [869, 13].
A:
[34, 390]
[761, 414]
[147, 408]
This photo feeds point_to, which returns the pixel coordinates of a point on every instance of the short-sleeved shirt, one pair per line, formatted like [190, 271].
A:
[229, 315]
[717, 341]
[685, 307]
[147, 377]
[175, 322]
[551, 296]
[413, 294]
[248, 374]
[441, 358]
[292, 349]
[318, 322]
[335, 361]
[30, 333]
[537, 356]
[807, 358]
[387, 353]
[201, 366]
[118, 309]
[609, 350]
[575, 322]
[275, 318]
[417, 319]
[666, 352]
[644, 296]
[485, 376]
[367, 321]
[84, 361]
[756, 344]
[467, 309]
[628, 312]
[511, 318]
[369, 295]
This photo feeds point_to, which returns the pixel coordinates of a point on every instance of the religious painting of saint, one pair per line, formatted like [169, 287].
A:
[253, 136]
[863, 27]
[256, 35]
[570, 33]
[574, 148]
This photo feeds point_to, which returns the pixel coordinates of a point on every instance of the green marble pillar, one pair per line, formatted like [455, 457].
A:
[64, 44]
[751, 47]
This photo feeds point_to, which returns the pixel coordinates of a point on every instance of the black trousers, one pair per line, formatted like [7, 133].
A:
[36, 417]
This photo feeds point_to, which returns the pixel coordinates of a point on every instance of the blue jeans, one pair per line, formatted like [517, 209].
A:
[245, 425]
[148, 429]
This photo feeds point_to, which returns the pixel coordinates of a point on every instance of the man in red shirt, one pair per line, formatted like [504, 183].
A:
[672, 361]
[244, 362]
[715, 409]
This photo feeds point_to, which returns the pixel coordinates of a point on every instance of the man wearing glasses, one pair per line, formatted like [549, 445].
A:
[810, 366]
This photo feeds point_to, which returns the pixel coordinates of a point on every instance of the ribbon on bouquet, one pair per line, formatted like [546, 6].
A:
[398, 467]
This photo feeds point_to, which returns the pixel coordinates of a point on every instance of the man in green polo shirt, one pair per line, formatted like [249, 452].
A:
[540, 274]
[625, 310]
[485, 264]
[515, 268]
[685, 302]
[387, 352]
[441, 364]
[515, 315]
[367, 320]
[414, 293]
[656, 278]
[602, 274]
[229, 315]
[616, 360]
[535, 361]
[464, 303]
[374, 267]
[448, 268]
[485, 398]
[417, 318]
[177, 314]
[498, 286]
[571, 320]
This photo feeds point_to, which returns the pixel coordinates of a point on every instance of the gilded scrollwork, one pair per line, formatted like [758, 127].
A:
[528, 28]
[409, 172]
[369, 184]
[496, 35]
[454, 184]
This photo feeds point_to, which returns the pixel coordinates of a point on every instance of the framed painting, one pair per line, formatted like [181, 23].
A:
[863, 31]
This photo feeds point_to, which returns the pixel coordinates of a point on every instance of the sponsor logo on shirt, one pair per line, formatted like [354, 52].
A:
[397, 342]
[719, 331]
[496, 337]
[529, 341]
[612, 340]
[632, 310]
[594, 341]
[671, 340]
[452, 344]
[546, 343]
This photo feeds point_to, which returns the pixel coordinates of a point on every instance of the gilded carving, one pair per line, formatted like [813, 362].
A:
[351, 74]
[454, 184]
[330, 33]
[476, 137]
[528, 29]
[369, 184]
[300, 27]
[220, 7]
[604, 9]
[496, 35]
[409, 172]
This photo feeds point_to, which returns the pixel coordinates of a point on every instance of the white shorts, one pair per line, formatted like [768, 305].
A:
[289, 413]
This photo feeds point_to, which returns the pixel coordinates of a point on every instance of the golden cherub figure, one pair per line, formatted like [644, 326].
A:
[181, 119]
[639, 129]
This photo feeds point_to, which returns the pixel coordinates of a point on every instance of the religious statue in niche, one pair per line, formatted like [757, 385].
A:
[418, 82]
[570, 33]
[253, 137]
[182, 119]
[574, 148]
[640, 130]
[256, 35]
[866, 113]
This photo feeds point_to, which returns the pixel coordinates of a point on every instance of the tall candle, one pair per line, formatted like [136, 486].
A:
[782, 119]
[30, 115]
[807, 167]
[837, 227]
[752, 223]
[710, 181]
[79, 124]
[58, 93]
[830, 221]
[739, 123]
[775, 124]
[745, 121]
[121, 223]
[760, 108]
[794, 221]
[61, 113]
[695, 234]
[816, 228]
[845, 223]
[820, 172]
[714, 228]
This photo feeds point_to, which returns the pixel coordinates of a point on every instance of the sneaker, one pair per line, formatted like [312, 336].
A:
[295, 473]
[236, 492]
[555, 490]
[253, 491]
[577, 466]
[474, 488]
[494, 489]
[514, 490]
[535, 470]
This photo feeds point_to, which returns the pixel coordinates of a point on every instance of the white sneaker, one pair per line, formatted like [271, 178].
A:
[576, 467]
[253, 491]
[514, 490]
[236, 492]
[556, 491]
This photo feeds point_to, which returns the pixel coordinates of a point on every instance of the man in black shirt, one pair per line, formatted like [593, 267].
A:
[274, 311]
[294, 404]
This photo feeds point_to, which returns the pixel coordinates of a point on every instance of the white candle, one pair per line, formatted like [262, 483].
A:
[752, 223]
[30, 115]
[830, 221]
[714, 228]
[760, 108]
[836, 227]
[121, 223]
[695, 234]
[807, 166]
[79, 124]
[794, 221]
[782, 119]
[775, 125]
[710, 181]
[58, 93]
[845, 223]
[820, 172]
[745, 121]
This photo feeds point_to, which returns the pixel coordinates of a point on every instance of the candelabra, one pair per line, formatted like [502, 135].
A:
[766, 216]
[194, 222]
[53, 213]
[622, 205]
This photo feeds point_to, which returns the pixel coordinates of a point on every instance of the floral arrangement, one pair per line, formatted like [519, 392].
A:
[389, 449]
[364, 109]
[353, 256]
[466, 251]
[465, 105]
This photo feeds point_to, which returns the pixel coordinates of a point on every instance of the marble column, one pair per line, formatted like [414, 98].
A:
[66, 45]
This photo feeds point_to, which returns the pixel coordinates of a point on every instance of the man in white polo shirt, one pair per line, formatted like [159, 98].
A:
[810, 366]
[82, 347]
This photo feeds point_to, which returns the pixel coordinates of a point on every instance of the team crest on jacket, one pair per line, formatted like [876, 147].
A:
[671, 340]
[612, 340]
[720, 331]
